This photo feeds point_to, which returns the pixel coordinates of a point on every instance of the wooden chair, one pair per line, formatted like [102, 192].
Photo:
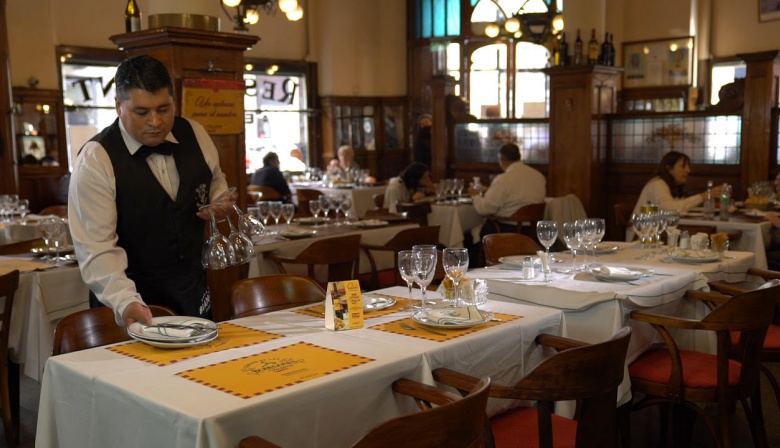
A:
[258, 295]
[531, 214]
[454, 423]
[265, 193]
[304, 196]
[379, 201]
[94, 327]
[403, 240]
[670, 376]
[58, 210]
[589, 373]
[22, 247]
[415, 212]
[497, 245]
[341, 254]
[9, 370]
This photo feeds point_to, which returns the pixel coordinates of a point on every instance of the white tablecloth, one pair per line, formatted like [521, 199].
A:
[362, 197]
[455, 220]
[99, 398]
[755, 235]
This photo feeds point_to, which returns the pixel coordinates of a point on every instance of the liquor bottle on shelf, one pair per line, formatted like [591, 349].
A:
[564, 49]
[556, 53]
[578, 49]
[132, 17]
[611, 50]
[593, 48]
[604, 54]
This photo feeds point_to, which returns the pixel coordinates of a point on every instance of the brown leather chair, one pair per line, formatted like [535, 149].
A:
[415, 211]
[304, 196]
[589, 373]
[454, 423]
[531, 214]
[341, 254]
[264, 193]
[9, 370]
[22, 247]
[669, 375]
[94, 327]
[497, 245]
[58, 210]
[403, 240]
[258, 295]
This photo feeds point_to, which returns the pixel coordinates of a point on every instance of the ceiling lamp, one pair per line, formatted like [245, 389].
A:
[533, 24]
[248, 11]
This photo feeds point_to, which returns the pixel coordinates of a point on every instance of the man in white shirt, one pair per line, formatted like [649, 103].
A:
[134, 201]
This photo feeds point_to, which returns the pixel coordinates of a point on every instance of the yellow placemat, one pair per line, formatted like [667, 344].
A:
[319, 310]
[23, 266]
[273, 370]
[230, 336]
[444, 334]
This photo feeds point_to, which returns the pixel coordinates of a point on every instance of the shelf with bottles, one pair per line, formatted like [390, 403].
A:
[594, 53]
[39, 127]
[658, 99]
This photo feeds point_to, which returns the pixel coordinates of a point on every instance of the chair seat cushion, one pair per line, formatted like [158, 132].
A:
[518, 427]
[699, 369]
[386, 278]
[771, 341]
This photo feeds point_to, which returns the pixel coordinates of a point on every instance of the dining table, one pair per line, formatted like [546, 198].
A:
[282, 376]
[362, 196]
[455, 218]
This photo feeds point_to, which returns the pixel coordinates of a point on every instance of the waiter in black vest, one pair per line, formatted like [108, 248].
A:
[134, 201]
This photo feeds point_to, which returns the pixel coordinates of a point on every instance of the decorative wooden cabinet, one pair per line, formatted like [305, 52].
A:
[41, 152]
[658, 99]
[375, 127]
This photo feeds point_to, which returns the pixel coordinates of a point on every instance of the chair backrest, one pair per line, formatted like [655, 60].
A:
[622, 216]
[340, 253]
[416, 212]
[9, 373]
[21, 247]
[304, 196]
[93, 327]
[258, 295]
[404, 240]
[265, 193]
[379, 201]
[497, 245]
[563, 209]
[59, 210]
[459, 423]
[531, 213]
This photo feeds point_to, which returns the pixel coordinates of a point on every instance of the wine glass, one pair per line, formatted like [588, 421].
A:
[325, 206]
[672, 221]
[276, 211]
[243, 247]
[547, 232]
[51, 229]
[424, 267]
[346, 206]
[642, 226]
[459, 185]
[572, 236]
[600, 229]
[588, 232]
[218, 253]
[336, 205]
[314, 207]
[23, 207]
[264, 211]
[456, 263]
[288, 211]
[250, 225]
[406, 269]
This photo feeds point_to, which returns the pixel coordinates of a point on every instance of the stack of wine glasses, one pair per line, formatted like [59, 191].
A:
[238, 247]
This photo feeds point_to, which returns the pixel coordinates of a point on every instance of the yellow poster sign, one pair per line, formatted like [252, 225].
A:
[217, 104]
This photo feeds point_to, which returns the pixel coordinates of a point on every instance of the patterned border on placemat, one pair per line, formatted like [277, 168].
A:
[444, 334]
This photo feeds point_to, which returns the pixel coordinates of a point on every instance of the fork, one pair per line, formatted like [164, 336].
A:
[406, 326]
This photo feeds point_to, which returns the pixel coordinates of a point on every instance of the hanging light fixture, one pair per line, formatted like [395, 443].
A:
[531, 25]
[248, 11]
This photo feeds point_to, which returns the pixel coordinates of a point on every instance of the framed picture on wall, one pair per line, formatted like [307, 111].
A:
[658, 62]
[768, 10]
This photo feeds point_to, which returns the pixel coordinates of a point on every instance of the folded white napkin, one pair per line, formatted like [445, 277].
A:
[170, 332]
[456, 316]
[615, 271]
[543, 258]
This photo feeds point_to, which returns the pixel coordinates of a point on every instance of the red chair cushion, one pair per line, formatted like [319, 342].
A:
[699, 369]
[518, 428]
[772, 340]
[386, 278]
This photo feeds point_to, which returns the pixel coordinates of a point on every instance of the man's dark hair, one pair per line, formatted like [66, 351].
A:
[270, 157]
[412, 174]
[510, 152]
[141, 72]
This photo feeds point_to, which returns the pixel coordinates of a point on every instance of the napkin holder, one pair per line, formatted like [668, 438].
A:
[343, 306]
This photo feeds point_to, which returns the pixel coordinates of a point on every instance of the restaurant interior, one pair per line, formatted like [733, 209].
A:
[593, 92]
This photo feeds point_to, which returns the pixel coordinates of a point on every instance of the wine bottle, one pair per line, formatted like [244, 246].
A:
[604, 54]
[611, 50]
[132, 17]
[564, 49]
[593, 48]
[556, 51]
[578, 49]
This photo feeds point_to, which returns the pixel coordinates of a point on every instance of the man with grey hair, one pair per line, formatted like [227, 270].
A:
[134, 201]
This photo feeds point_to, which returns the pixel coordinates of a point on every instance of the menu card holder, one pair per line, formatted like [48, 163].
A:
[343, 306]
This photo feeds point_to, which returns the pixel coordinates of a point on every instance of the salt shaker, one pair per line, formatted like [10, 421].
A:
[528, 268]
[685, 240]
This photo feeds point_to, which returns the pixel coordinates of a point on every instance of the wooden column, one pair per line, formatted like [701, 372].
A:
[579, 97]
[9, 183]
[761, 95]
[199, 54]
[441, 86]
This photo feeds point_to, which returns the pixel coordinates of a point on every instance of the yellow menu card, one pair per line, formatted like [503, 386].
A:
[344, 306]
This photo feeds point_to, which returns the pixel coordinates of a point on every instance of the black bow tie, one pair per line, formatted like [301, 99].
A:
[164, 148]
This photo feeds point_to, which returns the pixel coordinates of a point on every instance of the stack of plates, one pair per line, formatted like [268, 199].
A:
[174, 331]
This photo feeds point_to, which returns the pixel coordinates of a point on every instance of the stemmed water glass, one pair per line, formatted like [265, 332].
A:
[642, 223]
[588, 233]
[276, 211]
[336, 205]
[346, 207]
[264, 211]
[547, 232]
[325, 206]
[243, 247]
[572, 236]
[250, 225]
[459, 185]
[406, 269]
[23, 207]
[288, 211]
[672, 221]
[455, 262]
[218, 253]
[314, 207]
[424, 267]
[52, 229]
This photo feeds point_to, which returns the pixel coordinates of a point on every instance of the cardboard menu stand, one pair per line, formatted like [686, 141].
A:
[343, 306]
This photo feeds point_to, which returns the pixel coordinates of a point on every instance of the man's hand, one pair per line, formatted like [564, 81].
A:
[137, 312]
[221, 206]
[774, 219]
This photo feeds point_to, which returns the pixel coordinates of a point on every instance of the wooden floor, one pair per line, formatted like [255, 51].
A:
[644, 423]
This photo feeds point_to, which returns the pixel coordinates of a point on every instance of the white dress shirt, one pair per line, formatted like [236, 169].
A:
[518, 186]
[92, 213]
[657, 191]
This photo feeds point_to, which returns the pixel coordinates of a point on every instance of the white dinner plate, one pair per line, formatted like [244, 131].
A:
[143, 333]
[297, 233]
[628, 275]
[421, 318]
[310, 220]
[517, 260]
[695, 257]
[194, 343]
[368, 223]
[66, 249]
[376, 302]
